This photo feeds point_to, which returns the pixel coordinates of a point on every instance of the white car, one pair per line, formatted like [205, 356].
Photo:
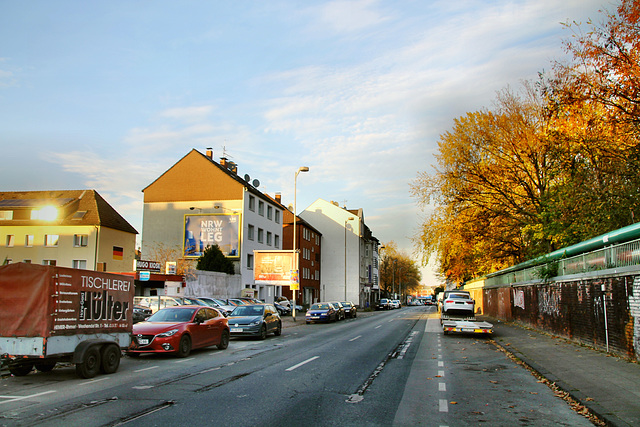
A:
[458, 302]
[395, 303]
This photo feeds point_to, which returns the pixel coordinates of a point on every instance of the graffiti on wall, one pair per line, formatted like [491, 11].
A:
[549, 301]
[518, 298]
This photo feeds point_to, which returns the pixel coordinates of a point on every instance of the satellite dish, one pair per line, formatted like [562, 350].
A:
[256, 183]
[247, 177]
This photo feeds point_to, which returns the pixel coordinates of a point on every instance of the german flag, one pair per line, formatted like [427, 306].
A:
[117, 253]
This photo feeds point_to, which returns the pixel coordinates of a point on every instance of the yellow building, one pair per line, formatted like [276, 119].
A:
[68, 228]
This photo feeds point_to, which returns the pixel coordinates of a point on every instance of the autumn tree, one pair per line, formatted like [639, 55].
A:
[399, 273]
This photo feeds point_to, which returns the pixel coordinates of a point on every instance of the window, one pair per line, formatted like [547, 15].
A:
[26, 261]
[8, 261]
[252, 203]
[6, 215]
[250, 261]
[260, 235]
[277, 216]
[269, 238]
[261, 208]
[80, 263]
[10, 240]
[80, 240]
[48, 262]
[250, 232]
[28, 240]
[269, 212]
[51, 240]
[276, 241]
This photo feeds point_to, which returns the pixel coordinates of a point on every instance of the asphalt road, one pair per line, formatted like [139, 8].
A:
[389, 368]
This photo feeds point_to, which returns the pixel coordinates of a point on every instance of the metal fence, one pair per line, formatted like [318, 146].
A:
[622, 255]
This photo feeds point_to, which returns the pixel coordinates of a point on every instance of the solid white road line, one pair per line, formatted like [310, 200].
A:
[147, 369]
[16, 398]
[302, 363]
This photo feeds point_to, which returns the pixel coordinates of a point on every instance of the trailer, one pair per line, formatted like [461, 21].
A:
[51, 314]
[464, 324]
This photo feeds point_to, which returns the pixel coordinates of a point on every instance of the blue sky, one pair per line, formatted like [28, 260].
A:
[108, 95]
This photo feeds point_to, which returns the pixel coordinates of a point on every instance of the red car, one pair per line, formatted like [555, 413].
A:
[178, 330]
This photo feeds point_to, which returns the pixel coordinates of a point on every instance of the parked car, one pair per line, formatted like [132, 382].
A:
[282, 310]
[180, 329]
[340, 309]
[255, 320]
[458, 302]
[395, 303]
[218, 304]
[321, 312]
[140, 313]
[383, 304]
[158, 302]
[237, 301]
[350, 310]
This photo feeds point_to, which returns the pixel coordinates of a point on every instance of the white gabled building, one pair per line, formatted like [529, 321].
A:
[349, 268]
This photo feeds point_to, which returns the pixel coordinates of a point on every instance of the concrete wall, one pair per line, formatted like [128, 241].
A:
[213, 284]
[576, 309]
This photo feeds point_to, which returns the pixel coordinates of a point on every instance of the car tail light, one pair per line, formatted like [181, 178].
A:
[449, 301]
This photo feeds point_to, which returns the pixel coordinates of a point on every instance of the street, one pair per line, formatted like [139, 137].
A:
[385, 368]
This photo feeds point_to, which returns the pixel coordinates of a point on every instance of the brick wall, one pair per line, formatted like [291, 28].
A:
[576, 310]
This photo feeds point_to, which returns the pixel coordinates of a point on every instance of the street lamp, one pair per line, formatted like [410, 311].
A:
[345, 256]
[295, 253]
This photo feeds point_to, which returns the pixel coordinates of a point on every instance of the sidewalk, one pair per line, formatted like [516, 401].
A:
[607, 385]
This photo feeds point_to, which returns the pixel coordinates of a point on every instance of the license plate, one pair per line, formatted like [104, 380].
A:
[467, 330]
[143, 341]
[314, 317]
[236, 329]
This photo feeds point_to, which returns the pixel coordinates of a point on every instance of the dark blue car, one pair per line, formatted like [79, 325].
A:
[322, 312]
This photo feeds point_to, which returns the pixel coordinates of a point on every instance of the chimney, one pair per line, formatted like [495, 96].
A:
[210, 153]
[229, 165]
[279, 198]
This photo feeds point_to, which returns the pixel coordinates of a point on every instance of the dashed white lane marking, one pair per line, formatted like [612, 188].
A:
[440, 364]
[353, 339]
[146, 369]
[443, 405]
[184, 360]
[442, 387]
[142, 387]
[94, 381]
[377, 327]
[441, 374]
[16, 398]
[302, 363]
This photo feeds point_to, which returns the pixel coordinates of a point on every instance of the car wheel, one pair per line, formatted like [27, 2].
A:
[90, 365]
[224, 340]
[110, 359]
[278, 330]
[263, 332]
[45, 365]
[21, 369]
[185, 346]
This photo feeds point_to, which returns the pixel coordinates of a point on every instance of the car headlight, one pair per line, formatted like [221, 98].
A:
[254, 323]
[168, 333]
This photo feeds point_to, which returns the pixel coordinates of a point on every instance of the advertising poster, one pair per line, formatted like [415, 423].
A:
[203, 230]
[273, 267]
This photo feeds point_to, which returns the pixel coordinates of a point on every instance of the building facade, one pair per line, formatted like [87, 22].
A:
[309, 247]
[199, 202]
[68, 228]
[349, 269]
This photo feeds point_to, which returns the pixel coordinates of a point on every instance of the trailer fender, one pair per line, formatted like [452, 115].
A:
[81, 349]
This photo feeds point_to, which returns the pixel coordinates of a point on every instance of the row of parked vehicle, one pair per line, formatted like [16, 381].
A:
[178, 329]
[388, 304]
[331, 311]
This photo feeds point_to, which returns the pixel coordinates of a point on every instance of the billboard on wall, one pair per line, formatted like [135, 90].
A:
[273, 267]
[203, 230]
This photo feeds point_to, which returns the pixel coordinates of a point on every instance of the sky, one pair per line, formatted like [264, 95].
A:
[109, 95]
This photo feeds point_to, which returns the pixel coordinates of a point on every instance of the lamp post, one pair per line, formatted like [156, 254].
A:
[345, 256]
[295, 253]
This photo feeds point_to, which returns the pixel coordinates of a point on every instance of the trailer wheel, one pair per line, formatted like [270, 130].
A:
[90, 365]
[45, 365]
[110, 356]
[21, 369]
